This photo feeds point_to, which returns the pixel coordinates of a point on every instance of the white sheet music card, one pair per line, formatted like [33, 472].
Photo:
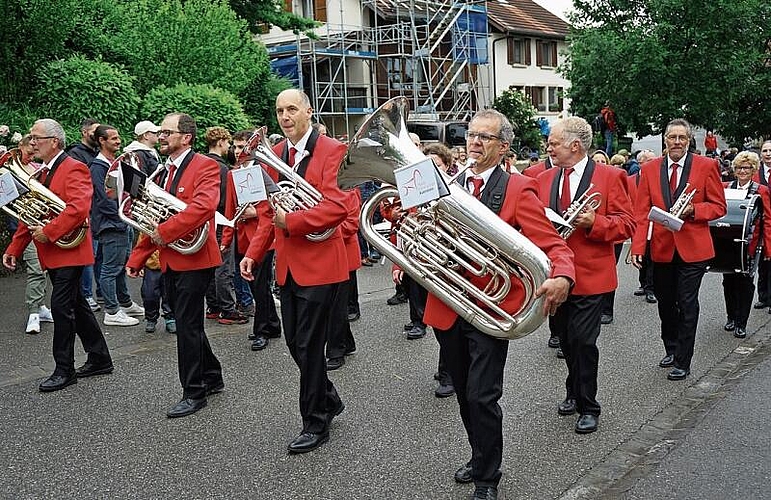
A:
[664, 218]
[418, 183]
[8, 191]
[735, 194]
[555, 218]
[250, 186]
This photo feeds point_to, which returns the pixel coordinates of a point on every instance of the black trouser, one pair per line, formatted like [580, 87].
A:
[72, 316]
[416, 296]
[199, 368]
[353, 294]
[764, 269]
[609, 298]
[646, 272]
[304, 313]
[476, 362]
[266, 321]
[577, 323]
[339, 336]
[738, 290]
[677, 290]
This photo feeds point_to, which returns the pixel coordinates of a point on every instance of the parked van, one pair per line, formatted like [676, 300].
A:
[451, 133]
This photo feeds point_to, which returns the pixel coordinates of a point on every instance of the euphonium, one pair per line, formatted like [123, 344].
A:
[152, 206]
[37, 205]
[452, 242]
[678, 207]
[576, 208]
[293, 194]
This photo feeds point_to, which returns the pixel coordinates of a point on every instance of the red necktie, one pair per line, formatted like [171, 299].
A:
[477, 183]
[565, 197]
[170, 177]
[673, 179]
[292, 152]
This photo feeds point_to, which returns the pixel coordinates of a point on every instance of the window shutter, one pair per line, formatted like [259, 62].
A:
[510, 50]
[527, 52]
[320, 10]
[538, 53]
[288, 5]
[553, 54]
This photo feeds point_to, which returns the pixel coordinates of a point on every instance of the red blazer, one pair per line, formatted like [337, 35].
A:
[765, 197]
[198, 185]
[70, 181]
[538, 168]
[693, 242]
[522, 210]
[246, 228]
[350, 230]
[595, 259]
[311, 263]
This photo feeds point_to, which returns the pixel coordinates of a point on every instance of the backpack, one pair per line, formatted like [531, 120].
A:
[599, 124]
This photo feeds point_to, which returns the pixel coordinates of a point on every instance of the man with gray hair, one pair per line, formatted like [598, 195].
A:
[475, 360]
[594, 233]
[70, 180]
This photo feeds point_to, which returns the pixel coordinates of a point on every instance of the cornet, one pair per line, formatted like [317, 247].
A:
[586, 201]
[685, 198]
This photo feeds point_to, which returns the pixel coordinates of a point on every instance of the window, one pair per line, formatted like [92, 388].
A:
[315, 9]
[537, 97]
[518, 51]
[555, 99]
[546, 53]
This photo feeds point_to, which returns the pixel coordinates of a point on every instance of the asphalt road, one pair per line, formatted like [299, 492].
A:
[108, 437]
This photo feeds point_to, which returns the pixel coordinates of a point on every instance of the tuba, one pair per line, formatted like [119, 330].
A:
[585, 201]
[293, 194]
[36, 205]
[152, 206]
[452, 243]
[682, 201]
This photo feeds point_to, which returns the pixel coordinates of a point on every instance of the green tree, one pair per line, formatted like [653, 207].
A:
[705, 60]
[521, 113]
[258, 13]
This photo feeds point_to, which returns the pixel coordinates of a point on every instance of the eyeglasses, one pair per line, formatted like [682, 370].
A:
[168, 132]
[742, 167]
[485, 138]
[40, 137]
[765, 150]
[678, 138]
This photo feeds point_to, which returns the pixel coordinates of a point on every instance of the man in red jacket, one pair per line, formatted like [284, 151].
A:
[577, 321]
[71, 181]
[309, 273]
[194, 179]
[680, 257]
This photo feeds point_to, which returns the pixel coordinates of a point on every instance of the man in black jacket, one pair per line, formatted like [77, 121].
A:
[88, 147]
[146, 133]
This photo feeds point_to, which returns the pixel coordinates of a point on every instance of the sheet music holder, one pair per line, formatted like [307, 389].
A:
[665, 219]
[133, 180]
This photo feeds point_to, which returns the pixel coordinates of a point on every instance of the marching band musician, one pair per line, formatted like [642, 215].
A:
[475, 360]
[70, 180]
[309, 273]
[764, 267]
[738, 288]
[680, 257]
[577, 321]
[194, 179]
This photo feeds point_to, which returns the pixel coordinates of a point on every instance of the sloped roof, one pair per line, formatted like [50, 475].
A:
[524, 17]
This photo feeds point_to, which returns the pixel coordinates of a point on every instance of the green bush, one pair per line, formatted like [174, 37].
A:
[260, 99]
[77, 88]
[210, 106]
[521, 113]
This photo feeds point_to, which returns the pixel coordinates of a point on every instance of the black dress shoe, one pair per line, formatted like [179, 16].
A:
[90, 369]
[639, 292]
[445, 390]
[567, 407]
[307, 441]
[186, 407]
[560, 354]
[408, 326]
[606, 319]
[274, 335]
[760, 305]
[729, 325]
[335, 363]
[215, 389]
[349, 350]
[554, 342]
[667, 361]
[463, 474]
[354, 316]
[57, 382]
[397, 298]
[485, 493]
[740, 332]
[650, 298]
[260, 342]
[678, 374]
[417, 332]
[587, 424]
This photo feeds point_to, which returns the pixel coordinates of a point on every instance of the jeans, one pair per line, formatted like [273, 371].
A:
[115, 247]
[219, 293]
[92, 272]
[243, 292]
[153, 291]
[608, 142]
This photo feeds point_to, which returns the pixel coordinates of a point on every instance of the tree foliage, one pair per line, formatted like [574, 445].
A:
[271, 12]
[708, 61]
[521, 113]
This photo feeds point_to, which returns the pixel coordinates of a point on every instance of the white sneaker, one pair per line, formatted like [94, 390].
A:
[92, 304]
[133, 310]
[33, 324]
[45, 315]
[119, 319]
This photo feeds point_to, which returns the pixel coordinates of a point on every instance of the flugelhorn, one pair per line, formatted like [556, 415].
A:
[36, 205]
[152, 206]
[685, 198]
[455, 246]
[586, 200]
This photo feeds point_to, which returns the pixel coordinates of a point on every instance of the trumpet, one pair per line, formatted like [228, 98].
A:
[586, 201]
[685, 198]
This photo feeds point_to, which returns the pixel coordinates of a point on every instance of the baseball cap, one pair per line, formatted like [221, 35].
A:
[145, 126]
[534, 156]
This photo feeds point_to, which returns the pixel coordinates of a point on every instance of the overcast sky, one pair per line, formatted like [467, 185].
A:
[557, 7]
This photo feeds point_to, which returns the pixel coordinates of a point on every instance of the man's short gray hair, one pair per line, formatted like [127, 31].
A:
[52, 128]
[505, 131]
[575, 128]
[679, 122]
